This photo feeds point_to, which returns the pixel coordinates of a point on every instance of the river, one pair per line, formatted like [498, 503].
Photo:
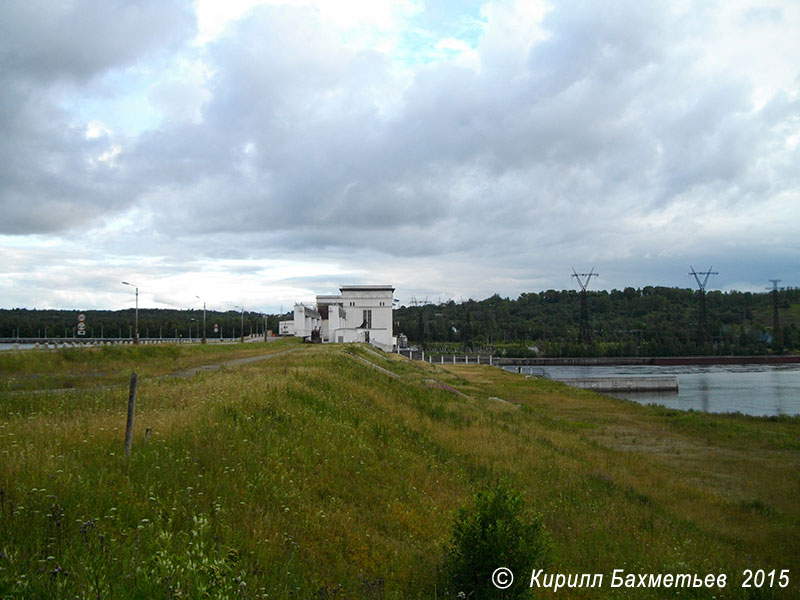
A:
[760, 390]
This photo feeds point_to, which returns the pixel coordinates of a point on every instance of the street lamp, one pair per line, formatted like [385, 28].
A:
[204, 318]
[136, 340]
[241, 333]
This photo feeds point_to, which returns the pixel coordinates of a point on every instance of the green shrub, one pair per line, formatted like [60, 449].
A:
[495, 531]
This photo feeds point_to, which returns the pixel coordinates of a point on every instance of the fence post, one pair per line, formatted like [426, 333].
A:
[129, 424]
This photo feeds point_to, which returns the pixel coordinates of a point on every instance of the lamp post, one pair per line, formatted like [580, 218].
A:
[241, 333]
[204, 318]
[190, 329]
[136, 339]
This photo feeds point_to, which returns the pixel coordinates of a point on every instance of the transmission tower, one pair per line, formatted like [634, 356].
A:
[584, 334]
[702, 321]
[777, 337]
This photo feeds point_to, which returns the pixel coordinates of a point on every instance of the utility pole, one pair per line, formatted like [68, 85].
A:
[702, 321]
[585, 333]
[133, 285]
[241, 333]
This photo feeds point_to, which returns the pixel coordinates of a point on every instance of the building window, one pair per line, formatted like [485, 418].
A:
[367, 323]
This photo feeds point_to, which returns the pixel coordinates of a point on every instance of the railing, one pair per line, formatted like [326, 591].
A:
[449, 359]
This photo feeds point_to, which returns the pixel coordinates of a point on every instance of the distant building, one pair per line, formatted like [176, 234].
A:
[360, 313]
[286, 327]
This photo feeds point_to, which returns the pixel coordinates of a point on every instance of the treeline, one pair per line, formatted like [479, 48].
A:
[651, 321]
[153, 323]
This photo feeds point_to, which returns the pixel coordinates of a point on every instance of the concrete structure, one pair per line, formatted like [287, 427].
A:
[625, 383]
[286, 327]
[360, 313]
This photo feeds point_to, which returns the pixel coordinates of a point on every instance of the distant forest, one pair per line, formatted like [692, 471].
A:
[651, 321]
[119, 324]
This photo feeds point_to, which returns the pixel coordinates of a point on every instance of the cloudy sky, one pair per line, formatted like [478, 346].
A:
[258, 153]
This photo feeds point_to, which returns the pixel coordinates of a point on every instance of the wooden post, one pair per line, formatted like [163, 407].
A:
[129, 424]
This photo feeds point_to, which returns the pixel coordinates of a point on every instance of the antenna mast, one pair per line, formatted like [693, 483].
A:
[702, 324]
[584, 334]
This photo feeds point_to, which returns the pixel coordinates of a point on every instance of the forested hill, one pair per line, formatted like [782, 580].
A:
[652, 321]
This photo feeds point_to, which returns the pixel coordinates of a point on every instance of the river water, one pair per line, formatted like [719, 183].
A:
[761, 390]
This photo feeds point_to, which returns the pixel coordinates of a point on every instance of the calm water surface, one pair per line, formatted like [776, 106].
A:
[762, 390]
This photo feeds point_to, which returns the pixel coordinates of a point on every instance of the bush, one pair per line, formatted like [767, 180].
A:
[495, 531]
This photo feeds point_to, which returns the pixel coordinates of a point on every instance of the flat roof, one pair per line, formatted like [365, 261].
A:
[366, 287]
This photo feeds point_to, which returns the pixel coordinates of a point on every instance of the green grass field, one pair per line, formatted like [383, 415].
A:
[314, 475]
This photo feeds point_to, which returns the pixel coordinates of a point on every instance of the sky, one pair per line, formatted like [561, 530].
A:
[256, 154]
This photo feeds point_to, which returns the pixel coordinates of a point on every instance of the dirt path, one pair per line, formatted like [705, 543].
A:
[230, 363]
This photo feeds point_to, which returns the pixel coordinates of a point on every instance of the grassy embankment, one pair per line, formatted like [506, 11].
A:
[111, 365]
[314, 475]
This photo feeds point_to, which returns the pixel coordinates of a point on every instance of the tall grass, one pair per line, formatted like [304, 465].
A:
[313, 475]
[109, 365]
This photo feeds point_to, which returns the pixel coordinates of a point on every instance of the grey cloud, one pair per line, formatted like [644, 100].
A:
[558, 154]
[51, 177]
[45, 41]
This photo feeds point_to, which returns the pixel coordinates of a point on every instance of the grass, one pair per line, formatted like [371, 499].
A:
[314, 475]
[111, 365]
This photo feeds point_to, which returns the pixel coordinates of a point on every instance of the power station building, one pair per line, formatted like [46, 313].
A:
[359, 313]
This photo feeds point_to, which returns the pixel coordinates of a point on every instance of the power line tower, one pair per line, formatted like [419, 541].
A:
[584, 334]
[777, 337]
[702, 321]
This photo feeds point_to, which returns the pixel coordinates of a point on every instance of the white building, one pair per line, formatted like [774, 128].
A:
[360, 313]
[286, 327]
[306, 321]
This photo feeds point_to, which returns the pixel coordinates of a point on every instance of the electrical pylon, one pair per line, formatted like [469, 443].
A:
[584, 333]
[777, 337]
[702, 324]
